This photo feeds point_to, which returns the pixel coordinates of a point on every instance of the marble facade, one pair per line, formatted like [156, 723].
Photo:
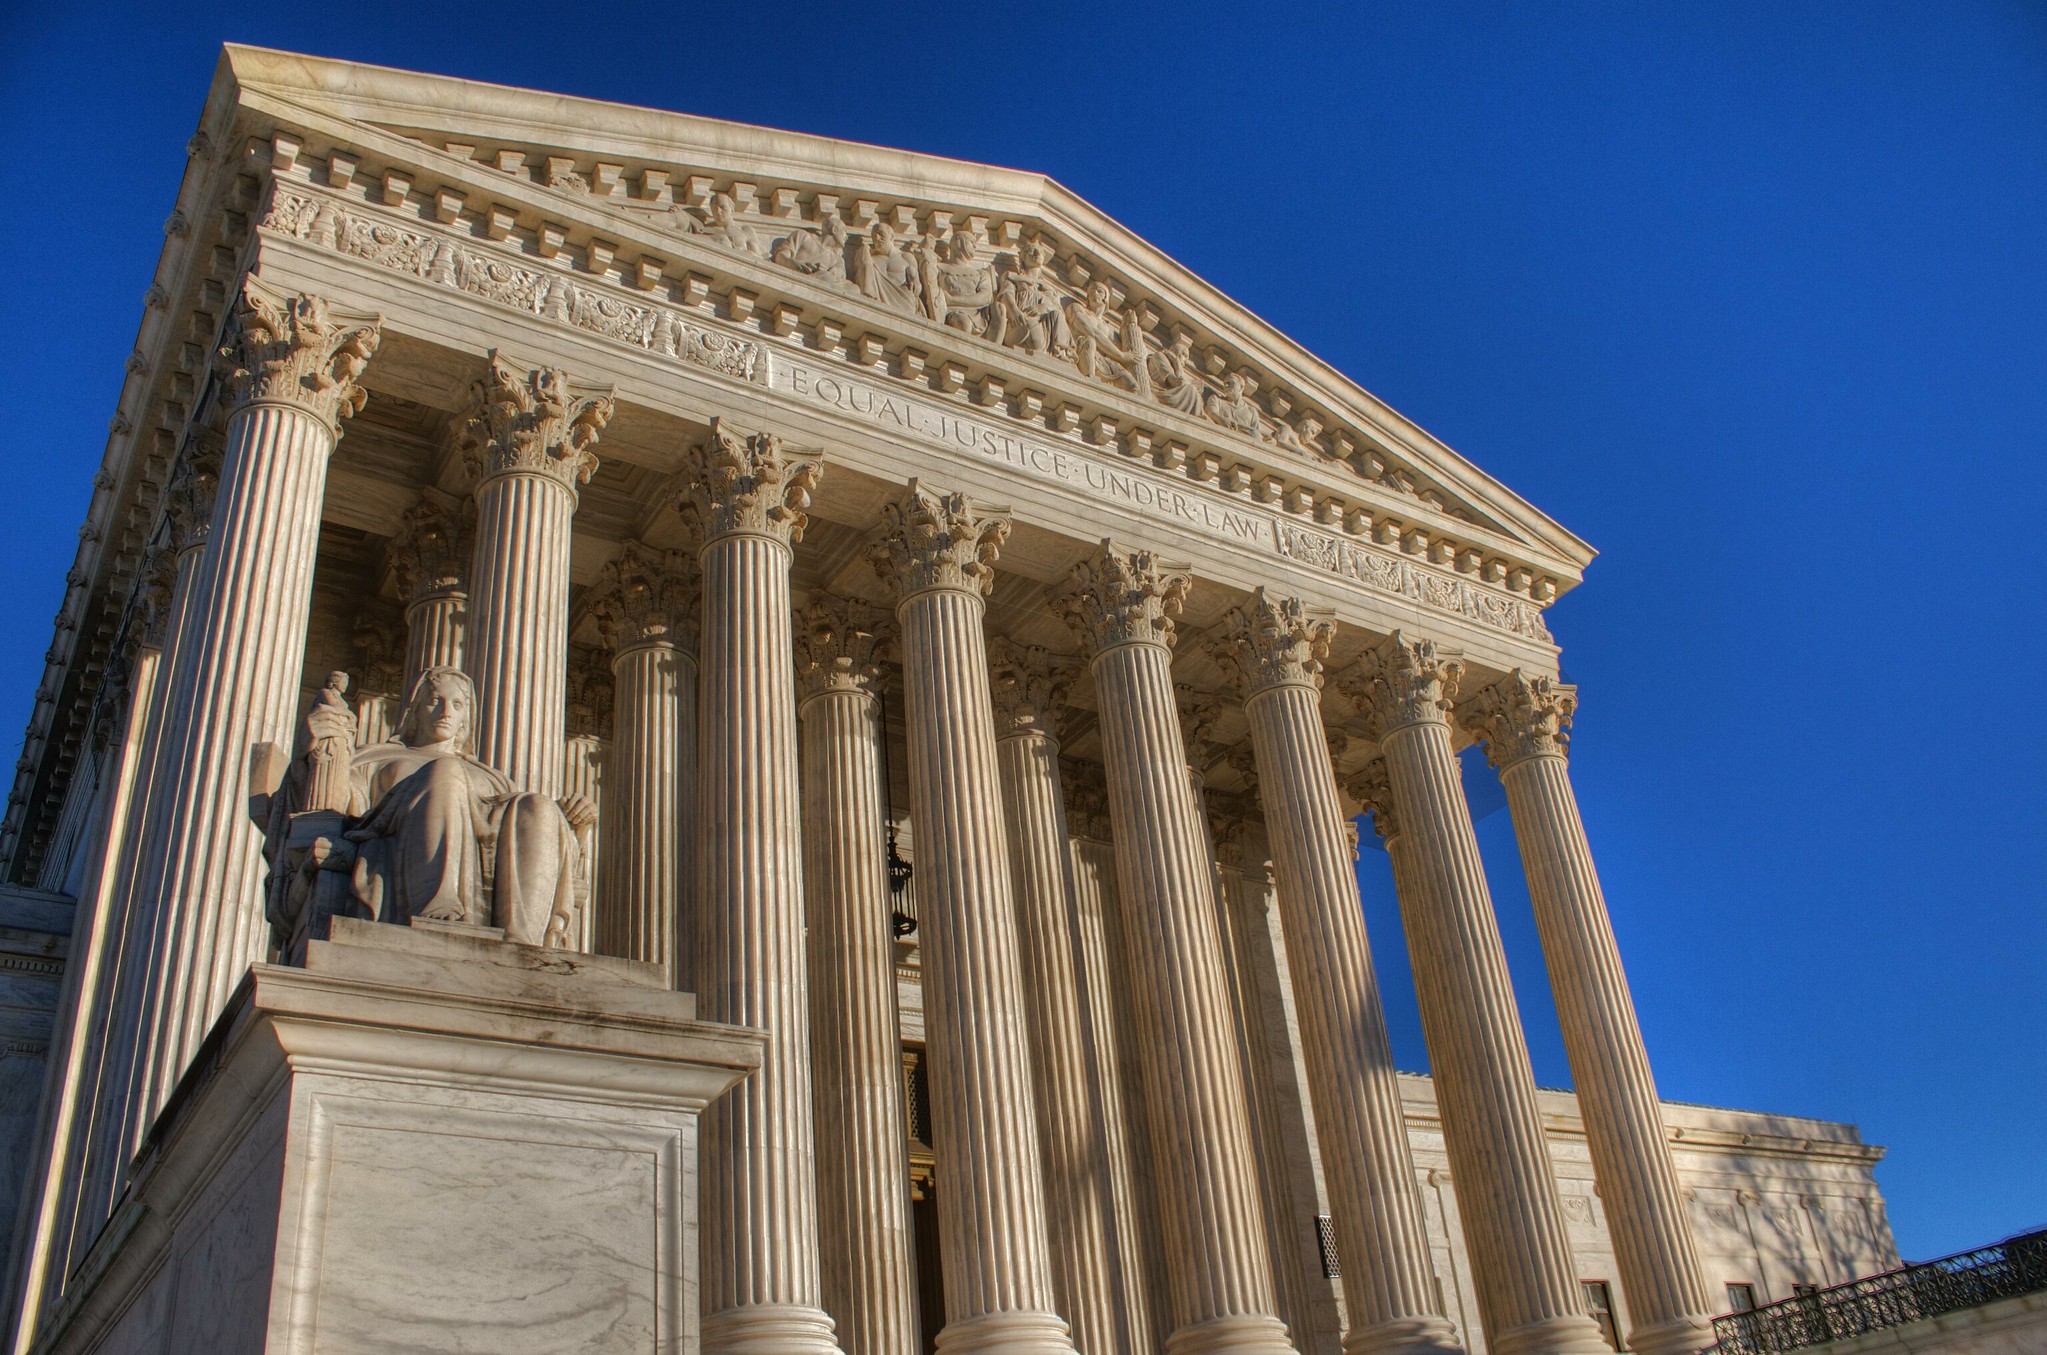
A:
[780, 513]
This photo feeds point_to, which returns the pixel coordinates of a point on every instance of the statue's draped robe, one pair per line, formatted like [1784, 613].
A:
[443, 836]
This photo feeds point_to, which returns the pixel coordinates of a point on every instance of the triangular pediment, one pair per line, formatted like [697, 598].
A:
[1007, 269]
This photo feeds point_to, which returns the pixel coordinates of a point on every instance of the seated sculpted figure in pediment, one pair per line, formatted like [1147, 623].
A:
[420, 828]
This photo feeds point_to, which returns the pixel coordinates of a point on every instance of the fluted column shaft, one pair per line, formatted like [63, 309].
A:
[642, 826]
[1507, 1195]
[1087, 1277]
[436, 629]
[863, 1180]
[520, 626]
[999, 1292]
[1196, 1106]
[1668, 1308]
[1274, 648]
[760, 1289]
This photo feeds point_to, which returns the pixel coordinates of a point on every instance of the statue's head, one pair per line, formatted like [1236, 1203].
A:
[440, 710]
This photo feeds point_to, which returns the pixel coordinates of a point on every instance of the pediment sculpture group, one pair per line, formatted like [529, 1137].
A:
[1011, 299]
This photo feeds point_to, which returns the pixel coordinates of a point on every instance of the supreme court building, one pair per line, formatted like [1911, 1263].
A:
[674, 736]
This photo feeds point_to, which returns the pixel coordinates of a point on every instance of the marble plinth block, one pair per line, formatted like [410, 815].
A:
[426, 1139]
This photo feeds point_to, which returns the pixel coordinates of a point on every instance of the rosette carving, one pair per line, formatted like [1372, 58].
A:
[1272, 641]
[839, 644]
[931, 540]
[295, 349]
[1120, 597]
[430, 555]
[1029, 684]
[533, 421]
[1403, 682]
[1520, 717]
[1372, 788]
[645, 597]
[745, 484]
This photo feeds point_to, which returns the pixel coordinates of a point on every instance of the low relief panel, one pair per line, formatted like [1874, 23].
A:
[536, 290]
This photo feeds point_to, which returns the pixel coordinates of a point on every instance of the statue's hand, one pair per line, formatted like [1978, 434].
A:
[579, 810]
[325, 721]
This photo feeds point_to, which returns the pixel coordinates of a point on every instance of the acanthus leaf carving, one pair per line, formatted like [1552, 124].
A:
[1372, 789]
[1521, 716]
[839, 645]
[746, 484]
[938, 540]
[297, 350]
[430, 554]
[1029, 684]
[1087, 798]
[533, 421]
[1274, 640]
[1198, 711]
[1119, 596]
[646, 597]
[1402, 682]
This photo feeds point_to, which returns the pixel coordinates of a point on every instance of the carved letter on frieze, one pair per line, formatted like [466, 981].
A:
[744, 484]
[533, 421]
[1272, 641]
[297, 350]
[1520, 717]
[1120, 597]
[932, 540]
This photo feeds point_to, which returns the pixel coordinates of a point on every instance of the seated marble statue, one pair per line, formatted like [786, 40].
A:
[427, 830]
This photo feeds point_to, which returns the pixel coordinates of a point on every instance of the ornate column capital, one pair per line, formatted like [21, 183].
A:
[1243, 761]
[589, 695]
[646, 597]
[1403, 682]
[1272, 641]
[1519, 717]
[745, 484]
[1372, 788]
[1122, 597]
[931, 540]
[294, 349]
[1198, 712]
[533, 421]
[1029, 684]
[153, 586]
[379, 636]
[429, 556]
[839, 643]
[195, 482]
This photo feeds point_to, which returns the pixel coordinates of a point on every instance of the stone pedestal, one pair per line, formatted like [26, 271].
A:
[426, 1139]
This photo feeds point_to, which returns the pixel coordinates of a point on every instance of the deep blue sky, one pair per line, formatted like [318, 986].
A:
[1750, 296]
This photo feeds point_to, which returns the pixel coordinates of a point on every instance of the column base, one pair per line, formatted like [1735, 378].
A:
[1022, 1332]
[1430, 1335]
[1237, 1333]
[1687, 1335]
[770, 1329]
[1574, 1335]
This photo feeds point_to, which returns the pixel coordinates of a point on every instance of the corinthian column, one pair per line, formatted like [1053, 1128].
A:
[528, 442]
[645, 608]
[1274, 649]
[938, 554]
[1122, 604]
[863, 1176]
[294, 368]
[760, 1245]
[1506, 1188]
[430, 557]
[1525, 723]
[1072, 1144]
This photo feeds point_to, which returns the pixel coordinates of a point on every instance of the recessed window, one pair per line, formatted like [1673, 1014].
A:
[1741, 1298]
[1599, 1303]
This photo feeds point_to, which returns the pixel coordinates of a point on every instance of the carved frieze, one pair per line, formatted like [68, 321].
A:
[1119, 596]
[938, 540]
[839, 645]
[1273, 640]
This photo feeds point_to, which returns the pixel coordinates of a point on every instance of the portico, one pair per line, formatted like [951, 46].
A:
[847, 549]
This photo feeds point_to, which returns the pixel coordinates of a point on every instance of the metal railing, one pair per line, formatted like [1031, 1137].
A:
[2013, 1267]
